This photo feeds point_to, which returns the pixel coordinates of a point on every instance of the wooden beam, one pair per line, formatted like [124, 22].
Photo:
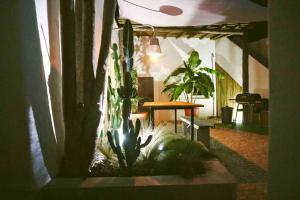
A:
[188, 30]
[261, 59]
[218, 36]
[263, 3]
[245, 64]
[203, 36]
[180, 34]
[223, 32]
[245, 73]
[190, 35]
[166, 35]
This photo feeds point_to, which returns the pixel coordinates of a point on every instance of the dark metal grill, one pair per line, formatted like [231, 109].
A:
[253, 101]
[247, 98]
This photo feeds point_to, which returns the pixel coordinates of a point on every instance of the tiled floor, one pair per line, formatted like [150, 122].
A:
[252, 147]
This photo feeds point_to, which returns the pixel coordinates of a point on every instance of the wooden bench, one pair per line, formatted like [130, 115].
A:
[201, 129]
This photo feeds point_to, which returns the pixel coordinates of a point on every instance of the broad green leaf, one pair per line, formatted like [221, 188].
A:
[176, 72]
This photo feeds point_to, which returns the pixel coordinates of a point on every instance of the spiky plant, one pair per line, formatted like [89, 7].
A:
[113, 98]
[129, 149]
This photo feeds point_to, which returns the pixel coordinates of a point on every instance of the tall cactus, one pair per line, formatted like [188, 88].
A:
[130, 149]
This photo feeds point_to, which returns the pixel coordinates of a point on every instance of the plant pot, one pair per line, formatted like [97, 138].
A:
[187, 112]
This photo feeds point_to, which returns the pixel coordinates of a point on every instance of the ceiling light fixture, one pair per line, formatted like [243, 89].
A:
[153, 49]
[165, 9]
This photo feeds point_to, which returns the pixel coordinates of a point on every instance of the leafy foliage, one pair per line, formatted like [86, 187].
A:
[113, 98]
[166, 154]
[190, 80]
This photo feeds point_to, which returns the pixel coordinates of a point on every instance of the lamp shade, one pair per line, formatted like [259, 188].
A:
[154, 48]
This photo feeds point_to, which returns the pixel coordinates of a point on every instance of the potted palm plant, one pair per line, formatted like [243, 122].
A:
[190, 81]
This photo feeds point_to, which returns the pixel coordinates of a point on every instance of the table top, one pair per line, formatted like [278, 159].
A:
[171, 104]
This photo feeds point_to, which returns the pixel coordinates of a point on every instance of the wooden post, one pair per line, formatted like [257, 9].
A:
[245, 64]
[245, 74]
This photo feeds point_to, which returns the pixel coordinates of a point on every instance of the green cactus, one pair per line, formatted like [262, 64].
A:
[130, 149]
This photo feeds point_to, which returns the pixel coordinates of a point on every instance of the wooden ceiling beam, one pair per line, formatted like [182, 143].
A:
[180, 34]
[167, 34]
[188, 30]
[219, 36]
[209, 31]
[203, 35]
[190, 35]
[263, 3]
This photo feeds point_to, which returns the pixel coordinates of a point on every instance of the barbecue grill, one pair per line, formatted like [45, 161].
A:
[250, 99]
[247, 98]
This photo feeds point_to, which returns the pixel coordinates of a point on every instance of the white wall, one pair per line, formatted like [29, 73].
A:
[258, 78]
[229, 57]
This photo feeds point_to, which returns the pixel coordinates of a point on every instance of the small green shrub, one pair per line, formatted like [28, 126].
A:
[167, 154]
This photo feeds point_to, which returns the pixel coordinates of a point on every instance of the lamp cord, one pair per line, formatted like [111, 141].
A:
[139, 26]
[141, 6]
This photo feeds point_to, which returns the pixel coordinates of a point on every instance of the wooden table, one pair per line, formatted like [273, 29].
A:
[172, 105]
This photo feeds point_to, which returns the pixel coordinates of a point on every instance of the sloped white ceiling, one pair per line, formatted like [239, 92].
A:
[195, 12]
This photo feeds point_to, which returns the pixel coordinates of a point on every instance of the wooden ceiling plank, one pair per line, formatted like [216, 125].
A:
[180, 34]
[203, 35]
[219, 36]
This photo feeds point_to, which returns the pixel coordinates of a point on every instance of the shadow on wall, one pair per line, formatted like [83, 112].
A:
[235, 11]
[142, 61]
[28, 144]
[162, 115]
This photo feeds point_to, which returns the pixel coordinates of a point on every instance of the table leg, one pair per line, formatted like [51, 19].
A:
[175, 122]
[152, 113]
[192, 124]
[151, 118]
